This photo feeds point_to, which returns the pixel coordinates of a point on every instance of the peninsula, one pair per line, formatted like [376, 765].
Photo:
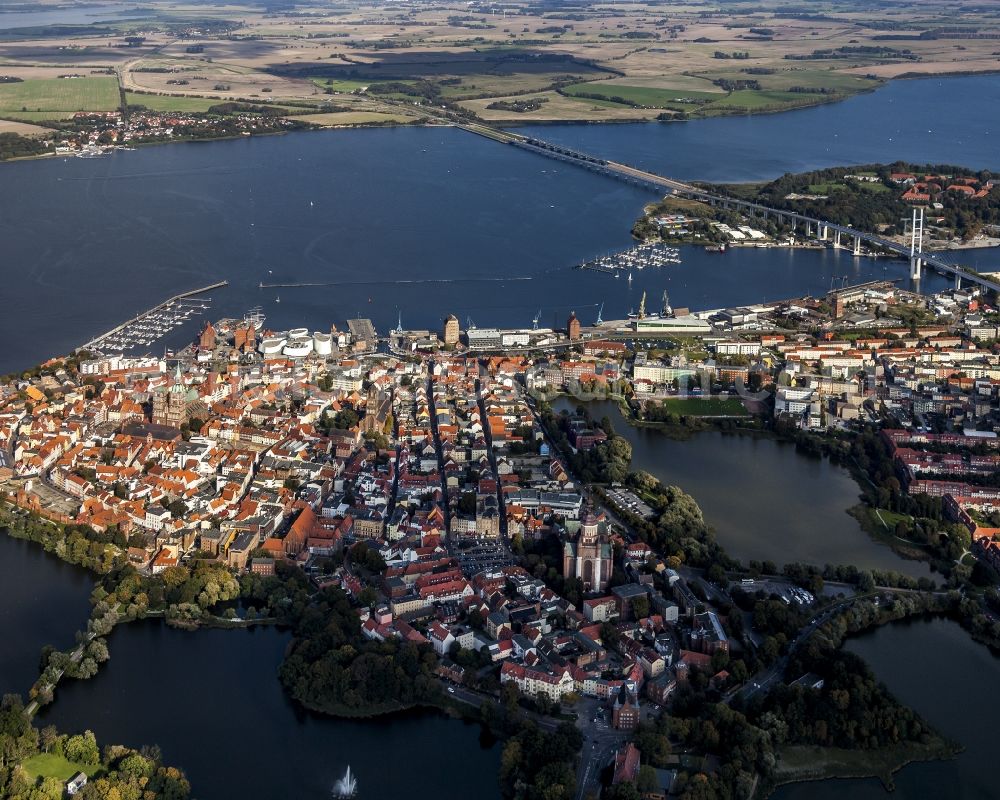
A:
[437, 534]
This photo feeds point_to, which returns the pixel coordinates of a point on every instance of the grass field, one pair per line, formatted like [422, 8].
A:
[782, 80]
[60, 94]
[837, 186]
[802, 763]
[497, 85]
[49, 765]
[354, 118]
[561, 107]
[706, 407]
[752, 100]
[157, 102]
[195, 105]
[343, 86]
[643, 95]
[23, 128]
[773, 94]
[36, 116]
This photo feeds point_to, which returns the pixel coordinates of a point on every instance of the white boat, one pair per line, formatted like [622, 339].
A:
[346, 786]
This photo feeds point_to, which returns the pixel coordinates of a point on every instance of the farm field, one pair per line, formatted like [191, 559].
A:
[642, 95]
[665, 59]
[156, 102]
[354, 118]
[557, 108]
[60, 94]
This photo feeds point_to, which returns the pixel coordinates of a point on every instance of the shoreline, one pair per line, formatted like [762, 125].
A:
[839, 764]
[509, 123]
[862, 512]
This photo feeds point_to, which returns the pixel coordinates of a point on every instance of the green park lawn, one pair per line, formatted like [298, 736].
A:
[50, 765]
[706, 407]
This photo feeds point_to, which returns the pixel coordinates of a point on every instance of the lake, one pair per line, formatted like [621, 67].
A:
[765, 500]
[42, 601]
[212, 701]
[934, 667]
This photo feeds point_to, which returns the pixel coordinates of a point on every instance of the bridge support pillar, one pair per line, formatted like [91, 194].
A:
[823, 231]
[958, 281]
[836, 240]
[915, 264]
[857, 245]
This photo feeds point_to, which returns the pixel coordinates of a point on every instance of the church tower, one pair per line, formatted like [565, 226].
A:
[170, 404]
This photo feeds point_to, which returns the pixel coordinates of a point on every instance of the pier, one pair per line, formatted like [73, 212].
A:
[120, 333]
[291, 285]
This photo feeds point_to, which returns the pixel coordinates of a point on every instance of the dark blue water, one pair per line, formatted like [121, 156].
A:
[764, 499]
[69, 15]
[420, 222]
[212, 701]
[42, 601]
[936, 120]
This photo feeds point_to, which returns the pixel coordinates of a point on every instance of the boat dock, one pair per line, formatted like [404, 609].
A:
[145, 328]
[635, 258]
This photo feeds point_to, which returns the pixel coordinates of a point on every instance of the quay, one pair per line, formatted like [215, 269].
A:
[122, 328]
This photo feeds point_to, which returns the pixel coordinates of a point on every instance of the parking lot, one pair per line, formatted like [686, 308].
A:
[628, 500]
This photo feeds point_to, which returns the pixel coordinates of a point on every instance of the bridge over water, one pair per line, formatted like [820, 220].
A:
[820, 229]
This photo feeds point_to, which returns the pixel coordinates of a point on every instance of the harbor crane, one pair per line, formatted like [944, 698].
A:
[534, 322]
[469, 324]
[599, 312]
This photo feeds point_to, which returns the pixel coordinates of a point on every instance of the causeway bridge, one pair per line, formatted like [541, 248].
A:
[840, 236]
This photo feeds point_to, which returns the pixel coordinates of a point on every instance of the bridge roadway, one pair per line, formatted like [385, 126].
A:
[650, 180]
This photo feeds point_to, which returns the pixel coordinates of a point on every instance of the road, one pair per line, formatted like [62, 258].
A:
[74, 658]
[599, 744]
[473, 698]
[765, 679]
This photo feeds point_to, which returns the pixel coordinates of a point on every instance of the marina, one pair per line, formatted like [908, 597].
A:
[635, 258]
[148, 327]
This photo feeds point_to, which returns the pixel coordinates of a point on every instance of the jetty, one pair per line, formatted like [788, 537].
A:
[151, 324]
[292, 285]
